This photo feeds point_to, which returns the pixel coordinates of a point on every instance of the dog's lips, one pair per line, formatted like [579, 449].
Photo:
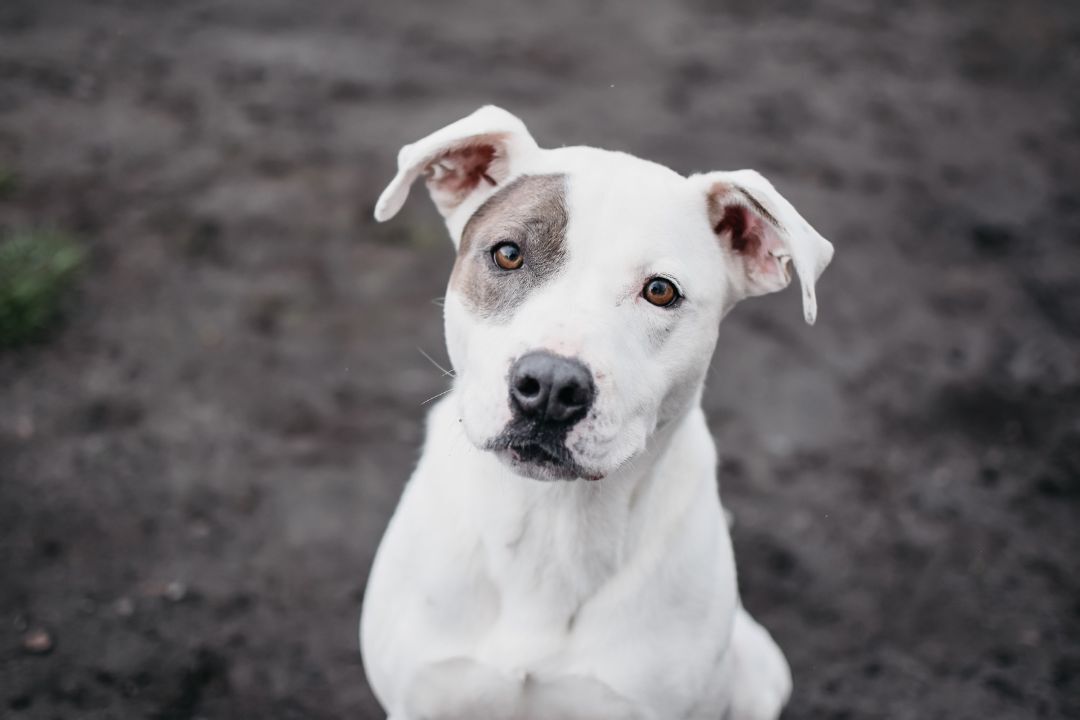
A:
[539, 459]
[536, 453]
[551, 461]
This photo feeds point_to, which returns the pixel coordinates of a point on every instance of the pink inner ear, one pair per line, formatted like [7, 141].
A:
[755, 239]
[745, 229]
[456, 173]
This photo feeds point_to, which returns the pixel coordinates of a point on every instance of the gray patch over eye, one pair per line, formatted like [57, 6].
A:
[531, 212]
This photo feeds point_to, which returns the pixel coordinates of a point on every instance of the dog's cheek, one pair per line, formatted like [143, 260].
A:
[682, 366]
[615, 430]
[679, 394]
[632, 442]
[482, 386]
[606, 448]
[482, 419]
[457, 324]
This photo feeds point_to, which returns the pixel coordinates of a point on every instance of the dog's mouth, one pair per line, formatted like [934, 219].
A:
[537, 456]
[538, 453]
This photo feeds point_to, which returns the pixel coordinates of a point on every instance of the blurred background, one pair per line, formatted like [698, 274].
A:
[211, 390]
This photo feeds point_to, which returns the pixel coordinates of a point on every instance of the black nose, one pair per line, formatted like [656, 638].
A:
[550, 388]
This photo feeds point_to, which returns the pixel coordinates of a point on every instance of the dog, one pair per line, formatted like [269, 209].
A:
[561, 551]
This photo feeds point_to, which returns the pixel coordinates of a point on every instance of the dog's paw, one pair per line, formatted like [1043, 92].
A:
[462, 689]
[572, 697]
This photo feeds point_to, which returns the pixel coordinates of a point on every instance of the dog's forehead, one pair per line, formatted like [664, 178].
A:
[602, 181]
[627, 216]
[595, 161]
[634, 206]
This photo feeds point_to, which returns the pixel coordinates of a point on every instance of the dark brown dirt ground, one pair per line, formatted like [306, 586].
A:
[194, 472]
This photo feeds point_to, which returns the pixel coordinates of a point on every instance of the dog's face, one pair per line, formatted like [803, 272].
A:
[581, 312]
[588, 289]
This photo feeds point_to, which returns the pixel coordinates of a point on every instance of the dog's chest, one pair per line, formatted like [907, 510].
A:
[569, 548]
[545, 562]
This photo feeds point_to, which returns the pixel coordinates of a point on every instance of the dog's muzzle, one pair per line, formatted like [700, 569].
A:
[549, 394]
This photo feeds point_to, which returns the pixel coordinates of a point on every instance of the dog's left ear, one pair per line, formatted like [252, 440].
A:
[463, 162]
[761, 232]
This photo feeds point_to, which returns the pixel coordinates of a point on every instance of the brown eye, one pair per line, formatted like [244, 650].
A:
[508, 256]
[660, 292]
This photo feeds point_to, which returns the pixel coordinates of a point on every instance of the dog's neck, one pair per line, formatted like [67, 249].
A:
[576, 535]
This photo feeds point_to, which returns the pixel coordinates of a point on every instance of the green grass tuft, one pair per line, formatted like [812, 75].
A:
[36, 268]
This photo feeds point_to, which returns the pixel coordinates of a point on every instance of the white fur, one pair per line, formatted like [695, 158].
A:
[497, 596]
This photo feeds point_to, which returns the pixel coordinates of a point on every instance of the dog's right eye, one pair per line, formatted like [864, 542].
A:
[507, 256]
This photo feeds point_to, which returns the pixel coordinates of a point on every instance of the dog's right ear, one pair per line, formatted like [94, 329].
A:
[463, 163]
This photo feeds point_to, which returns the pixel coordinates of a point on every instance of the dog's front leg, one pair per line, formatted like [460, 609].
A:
[463, 689]
[761, 678]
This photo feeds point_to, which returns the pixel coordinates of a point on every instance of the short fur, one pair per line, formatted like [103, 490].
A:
[500, 593]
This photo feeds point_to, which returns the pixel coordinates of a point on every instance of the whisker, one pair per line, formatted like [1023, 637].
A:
[436, 397]
[445, 372]
[439, 301]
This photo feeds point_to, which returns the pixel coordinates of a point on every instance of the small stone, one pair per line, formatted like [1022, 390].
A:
[175, 591]
[37, 642]
[124, 607]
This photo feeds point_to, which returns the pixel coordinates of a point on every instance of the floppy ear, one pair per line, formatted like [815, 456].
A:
[463, 162]
[763, 233]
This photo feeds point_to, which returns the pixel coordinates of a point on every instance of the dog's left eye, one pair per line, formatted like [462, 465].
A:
[660, 292]
[507, 255]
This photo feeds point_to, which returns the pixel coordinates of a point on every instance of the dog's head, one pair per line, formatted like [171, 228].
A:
[588, 289]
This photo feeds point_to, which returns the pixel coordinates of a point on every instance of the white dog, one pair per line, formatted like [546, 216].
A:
[561, 551]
